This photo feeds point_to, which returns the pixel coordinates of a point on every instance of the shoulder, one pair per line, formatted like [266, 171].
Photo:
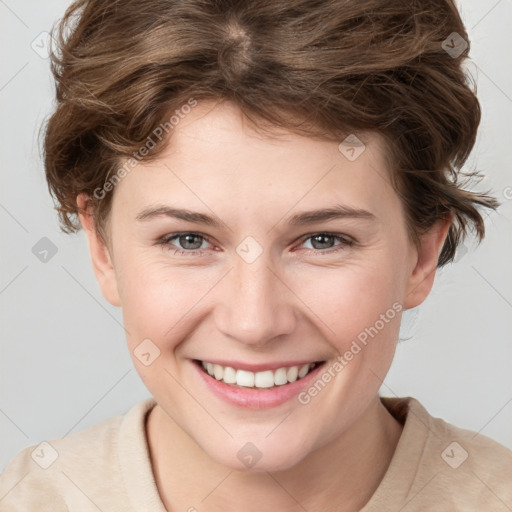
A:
[72, 471]
[460, 468]
[484, 463]
[461, 446]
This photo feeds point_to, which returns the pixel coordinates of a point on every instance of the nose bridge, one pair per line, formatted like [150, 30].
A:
[256, 307]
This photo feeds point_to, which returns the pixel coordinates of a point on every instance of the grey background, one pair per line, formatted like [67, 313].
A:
[63, 361]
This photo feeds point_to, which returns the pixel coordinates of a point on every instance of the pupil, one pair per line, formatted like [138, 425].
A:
[321, 237]
[186, 238]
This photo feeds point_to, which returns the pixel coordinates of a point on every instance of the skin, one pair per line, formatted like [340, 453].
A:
[296, 301]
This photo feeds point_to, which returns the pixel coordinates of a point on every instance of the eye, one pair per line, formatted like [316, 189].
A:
[189, 241]
[322, 241]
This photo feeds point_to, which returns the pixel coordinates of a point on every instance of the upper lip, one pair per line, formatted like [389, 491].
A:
[239, 365]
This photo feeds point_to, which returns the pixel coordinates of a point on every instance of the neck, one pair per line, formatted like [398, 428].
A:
[348, 470]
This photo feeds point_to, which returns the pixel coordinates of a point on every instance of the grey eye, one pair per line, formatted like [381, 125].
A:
[186, 241]
[322, 241]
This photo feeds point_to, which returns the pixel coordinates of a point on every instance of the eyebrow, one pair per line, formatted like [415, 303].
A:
[299, 219]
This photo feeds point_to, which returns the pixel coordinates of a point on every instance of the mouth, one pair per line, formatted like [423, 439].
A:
[266, 379]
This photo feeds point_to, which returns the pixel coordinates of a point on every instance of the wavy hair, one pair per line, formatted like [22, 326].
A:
[322, 68]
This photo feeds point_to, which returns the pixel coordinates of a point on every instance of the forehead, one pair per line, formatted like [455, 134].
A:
[215, 157]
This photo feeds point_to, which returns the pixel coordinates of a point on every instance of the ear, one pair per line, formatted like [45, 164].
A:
[421, 280]
[100, 254]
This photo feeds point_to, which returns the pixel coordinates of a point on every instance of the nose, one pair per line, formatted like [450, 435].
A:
[255, 304]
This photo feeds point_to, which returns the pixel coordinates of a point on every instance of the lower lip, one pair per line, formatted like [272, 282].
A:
[254, 398]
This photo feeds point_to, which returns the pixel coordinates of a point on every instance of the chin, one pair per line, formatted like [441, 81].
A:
[260, 455]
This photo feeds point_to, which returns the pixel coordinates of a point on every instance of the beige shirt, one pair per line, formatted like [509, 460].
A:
[436, 467]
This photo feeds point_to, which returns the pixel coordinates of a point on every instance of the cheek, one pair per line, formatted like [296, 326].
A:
[163, 301]
[158, 304]
[360, 310]
[364, 316]
[157, 298]
[355, 294]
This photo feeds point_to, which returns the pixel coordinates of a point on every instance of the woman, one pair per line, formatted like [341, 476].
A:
[265, 187]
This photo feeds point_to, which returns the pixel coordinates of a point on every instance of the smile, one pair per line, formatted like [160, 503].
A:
[263, 379]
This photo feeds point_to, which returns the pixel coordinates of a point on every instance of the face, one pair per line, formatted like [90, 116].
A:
[257, 291]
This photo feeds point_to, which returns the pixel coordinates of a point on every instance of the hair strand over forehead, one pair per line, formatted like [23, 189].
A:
[322, 68]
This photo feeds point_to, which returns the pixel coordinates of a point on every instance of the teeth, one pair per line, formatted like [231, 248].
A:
[303, 371]
[280, 377]
[229, 375]
[291, 373]
[218, 371]
[244, 378]
[265, 379]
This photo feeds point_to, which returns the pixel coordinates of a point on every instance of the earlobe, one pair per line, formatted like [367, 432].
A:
[421, 279]
[100, 255]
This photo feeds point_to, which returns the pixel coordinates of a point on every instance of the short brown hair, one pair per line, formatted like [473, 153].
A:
[340, 67]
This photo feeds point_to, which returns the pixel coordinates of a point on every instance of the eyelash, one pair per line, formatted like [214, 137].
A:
[166, 243]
